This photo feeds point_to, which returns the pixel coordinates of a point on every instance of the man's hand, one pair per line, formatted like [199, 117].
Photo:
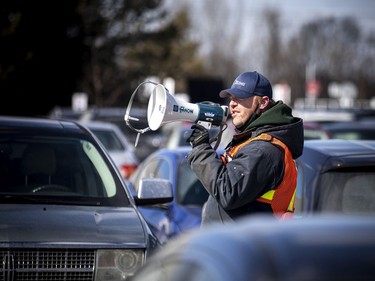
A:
[198, 136]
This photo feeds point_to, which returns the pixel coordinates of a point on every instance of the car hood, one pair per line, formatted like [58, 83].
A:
[81, 225]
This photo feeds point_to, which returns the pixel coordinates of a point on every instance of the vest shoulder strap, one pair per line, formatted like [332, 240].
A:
[233, 151]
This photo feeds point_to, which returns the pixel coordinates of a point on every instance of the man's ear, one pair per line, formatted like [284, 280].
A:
[263, 102]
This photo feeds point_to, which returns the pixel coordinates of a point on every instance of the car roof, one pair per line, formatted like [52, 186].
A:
[43, 124]
[335, 153]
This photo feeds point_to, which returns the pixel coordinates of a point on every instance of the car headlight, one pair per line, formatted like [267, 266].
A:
[117, 264]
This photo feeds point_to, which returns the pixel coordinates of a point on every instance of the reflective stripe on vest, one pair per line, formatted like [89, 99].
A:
[282, 197]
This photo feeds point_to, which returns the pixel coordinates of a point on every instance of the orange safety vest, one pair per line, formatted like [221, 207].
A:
[282, 197]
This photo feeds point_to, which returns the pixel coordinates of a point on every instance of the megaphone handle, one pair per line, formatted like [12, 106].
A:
[217, 138]
[205, 124]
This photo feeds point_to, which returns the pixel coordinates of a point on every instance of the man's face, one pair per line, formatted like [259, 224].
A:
[242, 109]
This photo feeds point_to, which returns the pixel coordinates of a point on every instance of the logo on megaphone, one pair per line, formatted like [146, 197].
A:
[164, 108]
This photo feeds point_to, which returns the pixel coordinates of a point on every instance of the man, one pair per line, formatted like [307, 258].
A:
[257, 173]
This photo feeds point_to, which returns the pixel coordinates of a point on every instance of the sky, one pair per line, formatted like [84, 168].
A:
[294, 13]
[239, 25]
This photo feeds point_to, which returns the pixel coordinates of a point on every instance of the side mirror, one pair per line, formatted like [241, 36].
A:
[154, 191]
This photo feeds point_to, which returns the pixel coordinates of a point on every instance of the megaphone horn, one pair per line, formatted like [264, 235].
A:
[164, 108]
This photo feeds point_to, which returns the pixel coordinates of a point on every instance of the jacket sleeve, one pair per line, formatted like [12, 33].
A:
[256, 168]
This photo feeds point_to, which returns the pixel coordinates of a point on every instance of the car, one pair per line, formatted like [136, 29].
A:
[66, 212]
[349, 130]
[145, 143]
[65, 112]
[184, 212]
[314, 131]
[336, 176]
[257, 248]
[117, 144]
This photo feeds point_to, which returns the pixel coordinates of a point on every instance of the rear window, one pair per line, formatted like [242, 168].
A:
[347, 191]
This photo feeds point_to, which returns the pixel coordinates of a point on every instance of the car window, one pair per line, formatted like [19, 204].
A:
[190, 190]
[102, 169]
[347, 191]
[68, 169]
[354, 135]
[315, 134]
[155, 168]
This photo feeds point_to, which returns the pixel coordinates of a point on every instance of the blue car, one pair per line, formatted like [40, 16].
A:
[184, 212]
[255, 248]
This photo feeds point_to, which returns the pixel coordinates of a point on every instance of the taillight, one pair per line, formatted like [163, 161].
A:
[127, 170]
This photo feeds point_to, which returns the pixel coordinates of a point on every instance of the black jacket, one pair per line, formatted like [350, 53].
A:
[256, 168]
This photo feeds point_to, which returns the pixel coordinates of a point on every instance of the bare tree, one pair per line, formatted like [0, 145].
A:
[221, 33]
[336, 48]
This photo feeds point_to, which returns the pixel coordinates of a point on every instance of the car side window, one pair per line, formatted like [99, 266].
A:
[189, 190]
[156, 168]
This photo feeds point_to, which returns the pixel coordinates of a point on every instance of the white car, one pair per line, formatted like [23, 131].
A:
[117, 145]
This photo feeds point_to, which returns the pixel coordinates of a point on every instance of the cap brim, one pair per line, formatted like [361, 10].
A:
[235, 93]
[224, 94]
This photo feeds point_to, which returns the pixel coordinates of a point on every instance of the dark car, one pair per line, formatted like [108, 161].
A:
[65, 211]
[333, 248]
[314, 131]
[184, 212]
[347, 130]
[336, 176]
[351, 130]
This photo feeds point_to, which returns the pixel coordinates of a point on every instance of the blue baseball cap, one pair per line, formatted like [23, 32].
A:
[249, 84]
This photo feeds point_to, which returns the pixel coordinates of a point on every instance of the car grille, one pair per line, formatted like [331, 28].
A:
[47, 265]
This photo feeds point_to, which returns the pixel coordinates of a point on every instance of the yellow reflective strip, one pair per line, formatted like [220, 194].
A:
[291, 203]
[268, 195]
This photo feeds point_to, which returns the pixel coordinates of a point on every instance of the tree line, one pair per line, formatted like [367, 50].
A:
[105, 48]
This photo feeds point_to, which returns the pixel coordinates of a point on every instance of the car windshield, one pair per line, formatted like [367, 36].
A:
[351, 192]
[58, 170]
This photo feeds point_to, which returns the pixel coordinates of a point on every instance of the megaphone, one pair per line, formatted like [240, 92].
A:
[164, 108]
